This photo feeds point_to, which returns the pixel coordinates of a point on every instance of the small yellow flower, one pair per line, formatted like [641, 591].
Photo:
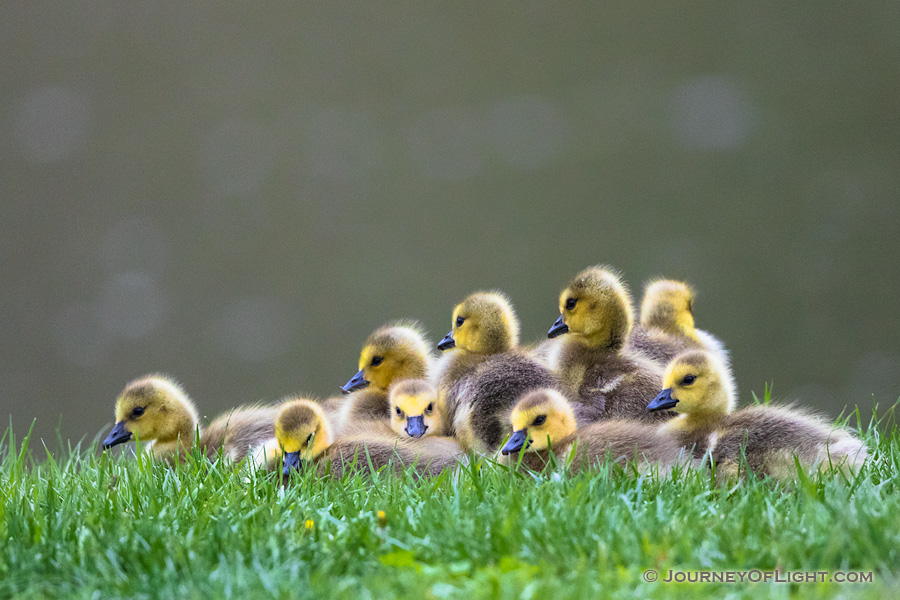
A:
[382, 518]
[309, 524]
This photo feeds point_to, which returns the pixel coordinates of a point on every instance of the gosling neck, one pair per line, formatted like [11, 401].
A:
[324, 430]
[180, 441]
[703, 420]
[695, 423]
[603, 340]
[683, 326]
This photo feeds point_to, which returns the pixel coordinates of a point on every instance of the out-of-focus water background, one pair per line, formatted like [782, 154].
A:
[237, 195]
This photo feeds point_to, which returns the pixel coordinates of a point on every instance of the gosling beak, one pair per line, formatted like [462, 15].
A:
[416, 427]
[292, 461]
[663, 401]
[118, 435]
[357, 382]
[516, 442]
[558, 328]
[447, 343]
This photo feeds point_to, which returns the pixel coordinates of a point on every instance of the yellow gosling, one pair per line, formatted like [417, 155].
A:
[667, 325]
[609, 380]
[157, 411]
[668, 305]
[698, 387]
[304, 432]
[484, 372]
[543, 422]
[392, 353]
[416, 410]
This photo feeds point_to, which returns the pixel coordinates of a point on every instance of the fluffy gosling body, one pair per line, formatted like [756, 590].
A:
[596, 319]
[667, 325]
[392, 353]
[698, 388]
[543, 422]
[304, 432]
[156, 410]
[416, 411]
[484, 372]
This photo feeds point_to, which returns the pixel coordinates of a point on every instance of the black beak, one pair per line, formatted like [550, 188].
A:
[416, 427]
[292, 461]
[558, 328]
[357, 382]
[516, 442]
[663, 401]
[118, 435]
[447, 343]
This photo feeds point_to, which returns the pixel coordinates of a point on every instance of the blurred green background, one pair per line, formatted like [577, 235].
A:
[239, 195]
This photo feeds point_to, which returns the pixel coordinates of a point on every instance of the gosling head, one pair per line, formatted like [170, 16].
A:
[595, 308]
[303, 431]
[540, 420]
[695, 384]
[415, 410]
[483, 323]
[153, 408]
[669, 305]
[394, 352]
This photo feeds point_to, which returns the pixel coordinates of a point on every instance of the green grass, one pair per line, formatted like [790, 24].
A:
[93, 526]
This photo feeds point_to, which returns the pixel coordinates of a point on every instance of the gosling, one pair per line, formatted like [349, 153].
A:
[306, 436]
[698, 388]
[483, 372]
[392, 353]
[667, 325]
[156, 410]
[610, 381]
[416, 410]
[544, 423]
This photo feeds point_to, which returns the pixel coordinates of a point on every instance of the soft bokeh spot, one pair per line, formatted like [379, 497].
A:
[711, 113]
[133, 305]
[342, 143]
[238, 156]
[136, 244]
[53, 122]
[81, 339]
[527, 131]
[449, 143]
[253, 329]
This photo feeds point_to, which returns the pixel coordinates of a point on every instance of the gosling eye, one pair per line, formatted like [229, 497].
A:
[399, 412]
[460, 321]
[138, 411]
[429, 408]
[688, 380]
[377, 360]
[309, 439]
[570, 303]
[540, 420]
